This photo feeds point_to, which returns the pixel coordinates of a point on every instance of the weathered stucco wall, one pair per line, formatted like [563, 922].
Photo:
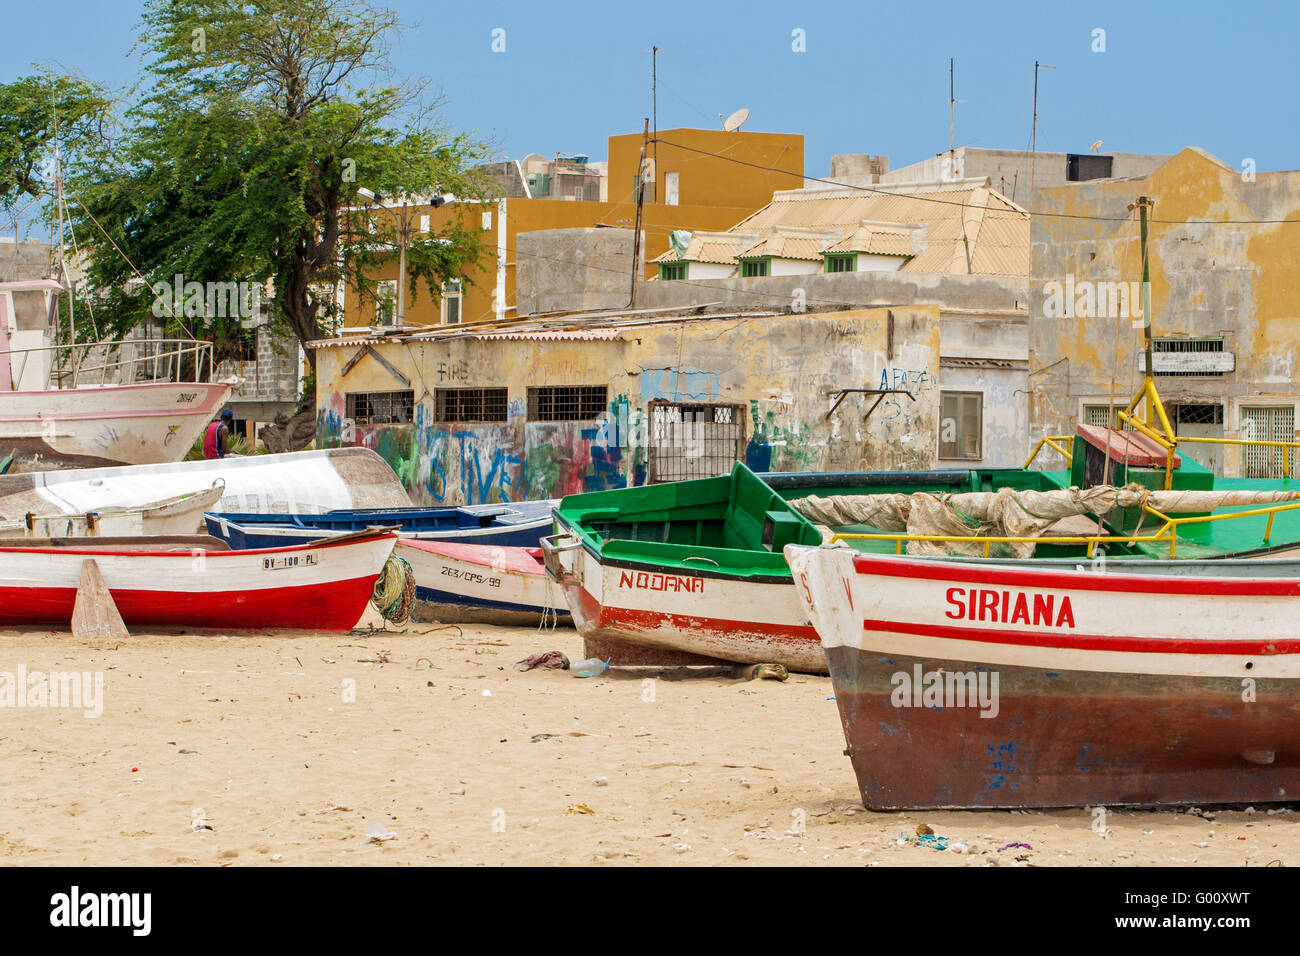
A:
[1228, 275]
[784, 370]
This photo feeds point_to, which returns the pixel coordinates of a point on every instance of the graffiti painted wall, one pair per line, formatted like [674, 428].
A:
[785, 373]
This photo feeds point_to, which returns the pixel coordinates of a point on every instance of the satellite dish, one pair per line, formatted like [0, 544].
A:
[735, 120]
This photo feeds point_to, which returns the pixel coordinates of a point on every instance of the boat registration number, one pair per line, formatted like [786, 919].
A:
[283, 562]
[472, 576]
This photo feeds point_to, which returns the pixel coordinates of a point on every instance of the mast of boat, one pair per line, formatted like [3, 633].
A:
[59, 210]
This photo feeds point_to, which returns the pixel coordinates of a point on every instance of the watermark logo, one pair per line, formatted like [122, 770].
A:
[77, 690]
[74, 908]
[943, 689]
[1248, 170]
[499, 40]
[798, 40]
[1098, 40]
[219, 300]
[1089, 299]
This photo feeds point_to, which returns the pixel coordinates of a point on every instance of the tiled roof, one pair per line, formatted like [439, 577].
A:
[936, 225]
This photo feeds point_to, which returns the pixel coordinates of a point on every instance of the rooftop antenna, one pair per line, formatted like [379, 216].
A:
[1033, 131]
[952, 116]
[733, 122]
[654, 111]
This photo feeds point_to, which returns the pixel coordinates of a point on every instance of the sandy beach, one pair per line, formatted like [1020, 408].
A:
[287, 748]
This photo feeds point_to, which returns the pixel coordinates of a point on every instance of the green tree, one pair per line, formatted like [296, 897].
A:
[31, 109]
[242, 159]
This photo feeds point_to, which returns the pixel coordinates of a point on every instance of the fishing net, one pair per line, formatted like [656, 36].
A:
[394, 590]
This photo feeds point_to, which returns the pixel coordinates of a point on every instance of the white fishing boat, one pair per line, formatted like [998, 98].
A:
[486, 584]
[179, 514]
[322, 586]
[295, 482]
[974, 684]
[96, 403]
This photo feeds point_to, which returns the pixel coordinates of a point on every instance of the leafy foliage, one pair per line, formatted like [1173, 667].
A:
[241, 162]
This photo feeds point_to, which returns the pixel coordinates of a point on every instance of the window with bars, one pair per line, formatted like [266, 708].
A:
[842, 262]
[470, 405]
[693, 440]
[1267, 423]
[672, 270]
[566, 403]
[1103, 416]
[380, 408]
[753, 268]
[1187, 350]
[1195, 415]
[961, 424]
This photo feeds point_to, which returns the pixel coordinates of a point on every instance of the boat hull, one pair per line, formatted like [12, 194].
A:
[637, 614]
[460, 583]
[302, 481]
[1132, 690]
[519, 525]
[151, 423]
[321, 587]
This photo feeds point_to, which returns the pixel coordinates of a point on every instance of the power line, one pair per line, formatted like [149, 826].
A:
[950, 202]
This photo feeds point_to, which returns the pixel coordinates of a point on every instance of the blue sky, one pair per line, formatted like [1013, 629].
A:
[873, 77]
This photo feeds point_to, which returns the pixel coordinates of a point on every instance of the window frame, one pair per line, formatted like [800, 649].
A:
[665, 267]
[586, 401]
[762, 263]
[957, 442]
[849, 258]
[350, 400]
[440, 405]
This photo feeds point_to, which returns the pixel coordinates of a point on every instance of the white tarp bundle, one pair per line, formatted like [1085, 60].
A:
[1007, 512]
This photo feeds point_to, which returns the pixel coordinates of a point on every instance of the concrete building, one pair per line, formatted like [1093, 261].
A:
[541, 409]
[1225, 307]
[565, 176]
[692, 182]
[1009, 170]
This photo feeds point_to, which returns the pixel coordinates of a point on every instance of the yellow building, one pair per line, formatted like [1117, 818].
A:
[1225, 308]
[701, 181]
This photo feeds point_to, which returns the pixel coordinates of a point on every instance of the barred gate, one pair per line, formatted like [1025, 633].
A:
[692, 440]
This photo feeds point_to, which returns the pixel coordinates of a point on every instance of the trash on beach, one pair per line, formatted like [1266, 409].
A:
[933, 841]
[1008, 846]
[763, 672]
[550, 660]
[592, 667]
[378, 833]
[580, 808]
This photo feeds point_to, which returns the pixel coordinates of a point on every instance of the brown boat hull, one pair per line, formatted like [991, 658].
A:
[1066, 738]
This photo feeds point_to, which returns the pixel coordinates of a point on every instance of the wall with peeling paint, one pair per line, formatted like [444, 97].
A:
[1231, 277]
[784, 370]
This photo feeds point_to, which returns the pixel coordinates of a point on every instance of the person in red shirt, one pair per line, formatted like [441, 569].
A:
[216, 440]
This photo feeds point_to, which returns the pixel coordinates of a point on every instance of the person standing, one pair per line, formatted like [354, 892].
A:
[216, 440]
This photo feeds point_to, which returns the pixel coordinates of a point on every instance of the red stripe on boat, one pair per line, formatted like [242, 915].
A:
[327, 606]
[1072, 580]
[1087, 642]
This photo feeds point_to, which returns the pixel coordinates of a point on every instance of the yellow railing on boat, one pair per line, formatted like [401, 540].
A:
[1051, 442]
[1156, 427]
[1167, 532]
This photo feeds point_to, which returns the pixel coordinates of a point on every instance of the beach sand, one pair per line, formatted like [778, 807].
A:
[470, 762]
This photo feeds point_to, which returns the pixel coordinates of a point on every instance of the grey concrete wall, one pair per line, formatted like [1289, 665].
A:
[1009, 170]
[820, 291]
[560, 270]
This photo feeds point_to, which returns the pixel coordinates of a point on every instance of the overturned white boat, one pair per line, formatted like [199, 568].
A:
[310, 482]
[176, 515]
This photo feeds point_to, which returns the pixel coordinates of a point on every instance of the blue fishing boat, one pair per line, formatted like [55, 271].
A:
[514, 524]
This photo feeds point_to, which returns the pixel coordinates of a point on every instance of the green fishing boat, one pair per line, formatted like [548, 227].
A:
[692, 572]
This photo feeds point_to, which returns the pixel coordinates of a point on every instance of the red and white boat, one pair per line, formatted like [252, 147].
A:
[64, 406]
[321, 586]
[480, 583]
[967, 684]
